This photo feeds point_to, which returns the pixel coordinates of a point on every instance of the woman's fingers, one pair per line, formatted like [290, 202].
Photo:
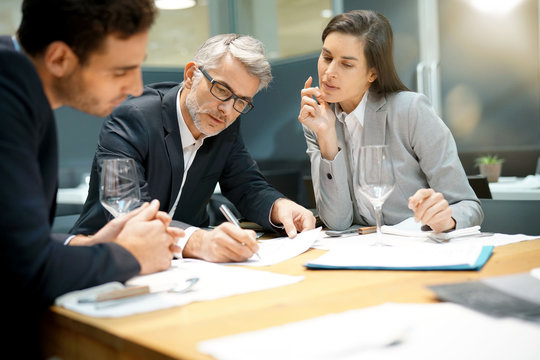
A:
[308, 82]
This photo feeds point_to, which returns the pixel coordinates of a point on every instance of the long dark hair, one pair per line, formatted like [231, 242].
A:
[376, 33]
[81, 24]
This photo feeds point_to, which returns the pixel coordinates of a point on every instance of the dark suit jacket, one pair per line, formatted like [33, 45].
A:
[35, 268]
[146, 129]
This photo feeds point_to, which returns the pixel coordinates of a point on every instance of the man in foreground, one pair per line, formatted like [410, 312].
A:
[87, 55]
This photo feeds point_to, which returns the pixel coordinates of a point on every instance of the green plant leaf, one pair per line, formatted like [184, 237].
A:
[488, 159]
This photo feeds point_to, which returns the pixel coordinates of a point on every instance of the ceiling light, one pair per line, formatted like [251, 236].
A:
[175, 4]
[495, 6]
[326, 13]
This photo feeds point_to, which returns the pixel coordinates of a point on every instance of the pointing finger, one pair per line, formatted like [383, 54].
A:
[308, 82]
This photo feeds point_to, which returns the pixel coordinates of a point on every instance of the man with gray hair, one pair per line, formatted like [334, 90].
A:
[185, 139]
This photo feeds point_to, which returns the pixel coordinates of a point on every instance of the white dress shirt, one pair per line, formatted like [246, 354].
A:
[190, 146]
[353, 125]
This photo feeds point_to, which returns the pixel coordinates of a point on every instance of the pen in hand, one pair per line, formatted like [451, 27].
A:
[232, 219]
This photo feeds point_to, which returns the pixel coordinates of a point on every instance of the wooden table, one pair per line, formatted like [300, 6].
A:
[174, 333]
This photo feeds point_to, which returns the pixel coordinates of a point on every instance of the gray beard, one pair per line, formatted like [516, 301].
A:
[193, 106]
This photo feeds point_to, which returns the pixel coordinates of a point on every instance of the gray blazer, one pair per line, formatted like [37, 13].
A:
[424, 155]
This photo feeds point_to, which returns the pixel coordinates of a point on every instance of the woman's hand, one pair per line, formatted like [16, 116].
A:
[317, 116]
[432, 209]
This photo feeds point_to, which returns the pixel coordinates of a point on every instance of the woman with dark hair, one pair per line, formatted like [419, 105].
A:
[361, 101]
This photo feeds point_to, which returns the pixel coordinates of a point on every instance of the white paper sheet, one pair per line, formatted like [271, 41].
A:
[408, 233]
[215, 281]
[411, 228]
[536, 273]
[274, 251]
[425, 255]
[389, 331]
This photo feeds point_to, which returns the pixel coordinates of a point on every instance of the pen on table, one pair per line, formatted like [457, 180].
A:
[116, 294]
[231, 218]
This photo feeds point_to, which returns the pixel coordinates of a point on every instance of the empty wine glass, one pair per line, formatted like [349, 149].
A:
[376, 179]
[119, 192]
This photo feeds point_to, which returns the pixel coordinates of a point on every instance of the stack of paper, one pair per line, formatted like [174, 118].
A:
[420, 257]
[443, 331]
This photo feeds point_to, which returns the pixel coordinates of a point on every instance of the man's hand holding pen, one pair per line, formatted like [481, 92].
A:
[227, 242]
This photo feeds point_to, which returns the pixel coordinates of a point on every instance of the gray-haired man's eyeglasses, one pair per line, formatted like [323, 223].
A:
[223, 93]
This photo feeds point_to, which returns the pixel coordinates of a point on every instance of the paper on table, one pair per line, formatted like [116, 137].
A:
[536, 273]
[388, 331]
[405, 241]
[412, 230]
[421, 256]
[215, 281]
[274, 251]
[409, 227]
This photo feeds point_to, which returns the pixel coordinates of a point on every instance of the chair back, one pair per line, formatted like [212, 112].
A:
[480, 186]
[308, 184]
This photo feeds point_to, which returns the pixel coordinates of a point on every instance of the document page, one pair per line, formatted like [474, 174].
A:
[274, 251]
[425, 255]
[442, 331]
[213, 282]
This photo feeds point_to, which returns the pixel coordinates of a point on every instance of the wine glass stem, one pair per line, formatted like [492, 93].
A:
[378, 217]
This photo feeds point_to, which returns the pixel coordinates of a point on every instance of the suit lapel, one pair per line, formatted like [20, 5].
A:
[375, 121]
[173, 142]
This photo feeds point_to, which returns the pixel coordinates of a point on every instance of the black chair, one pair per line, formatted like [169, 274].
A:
[214, 214]
[285, 181]
[480, 186]
[308, 184]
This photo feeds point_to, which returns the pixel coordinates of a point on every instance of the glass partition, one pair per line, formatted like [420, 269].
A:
[287, 27]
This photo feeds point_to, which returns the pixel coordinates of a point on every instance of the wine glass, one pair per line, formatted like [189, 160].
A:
[119, 192]
[376, 179]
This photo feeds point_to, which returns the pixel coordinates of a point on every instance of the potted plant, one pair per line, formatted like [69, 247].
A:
[490, 166]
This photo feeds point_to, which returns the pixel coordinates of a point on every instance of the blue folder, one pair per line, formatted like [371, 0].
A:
[480, 262]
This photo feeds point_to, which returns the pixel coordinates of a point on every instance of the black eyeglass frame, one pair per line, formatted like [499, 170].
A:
[213, 82]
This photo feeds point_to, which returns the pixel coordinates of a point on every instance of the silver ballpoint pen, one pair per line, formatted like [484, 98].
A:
[232, 219]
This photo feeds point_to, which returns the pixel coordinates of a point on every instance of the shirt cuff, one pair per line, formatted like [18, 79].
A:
[281, 227]
[69, 239]
[182, 241]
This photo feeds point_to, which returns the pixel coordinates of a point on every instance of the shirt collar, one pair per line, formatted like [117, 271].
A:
[357, 113]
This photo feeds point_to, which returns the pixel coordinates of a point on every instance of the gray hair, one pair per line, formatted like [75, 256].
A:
[246, 49]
